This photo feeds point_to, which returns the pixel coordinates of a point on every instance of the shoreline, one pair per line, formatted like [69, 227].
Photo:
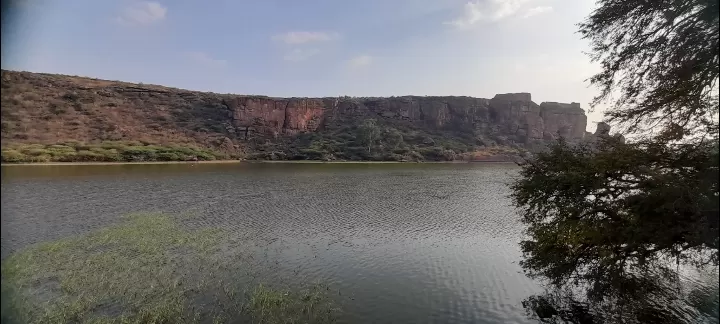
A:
[244, 162]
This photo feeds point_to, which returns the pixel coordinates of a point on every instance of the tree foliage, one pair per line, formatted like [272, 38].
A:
[608, 215]
[659, 61]
[392, 137]
[616, 219]
[368, 132]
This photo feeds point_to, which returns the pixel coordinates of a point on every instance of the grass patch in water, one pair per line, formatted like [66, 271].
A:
[307, 306]
[147, 269]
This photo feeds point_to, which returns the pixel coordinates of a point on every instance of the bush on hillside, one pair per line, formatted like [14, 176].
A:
[113, 151]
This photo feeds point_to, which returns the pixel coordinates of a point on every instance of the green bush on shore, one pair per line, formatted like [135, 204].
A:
[121, 151]
[12, 156]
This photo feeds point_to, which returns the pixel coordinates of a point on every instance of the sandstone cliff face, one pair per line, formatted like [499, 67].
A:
[512, 115]
[43, 108]
[565, 120]
[275, 116]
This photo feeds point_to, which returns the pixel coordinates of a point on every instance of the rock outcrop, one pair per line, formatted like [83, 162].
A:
[275, 116]
[513, 115]
[603, 130]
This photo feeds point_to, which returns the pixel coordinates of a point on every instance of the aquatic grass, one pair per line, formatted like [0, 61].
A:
[311, 305]
[132, 264]
[147, 269]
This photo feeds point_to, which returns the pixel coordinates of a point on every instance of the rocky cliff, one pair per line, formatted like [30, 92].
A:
[44, 108]
[514, 116]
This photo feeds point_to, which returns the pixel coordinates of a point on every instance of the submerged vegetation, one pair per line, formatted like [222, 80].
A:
[147, 269]
[108, 151]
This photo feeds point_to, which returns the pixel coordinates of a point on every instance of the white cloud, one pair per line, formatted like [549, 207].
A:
[142, 13]
[537, 11]
[302, 37]
[493, 10]
[360, 61]
[205, 60]
[300, 54]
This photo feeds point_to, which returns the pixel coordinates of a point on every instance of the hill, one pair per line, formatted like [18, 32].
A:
[47, 117]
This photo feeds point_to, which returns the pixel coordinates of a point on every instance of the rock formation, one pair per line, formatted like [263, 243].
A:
[512, 115]
[603, 130]
[44, 108]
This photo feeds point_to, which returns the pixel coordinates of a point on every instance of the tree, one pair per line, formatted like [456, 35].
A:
[393, 137]
[609, 215]
[368, 132]
[613, 217]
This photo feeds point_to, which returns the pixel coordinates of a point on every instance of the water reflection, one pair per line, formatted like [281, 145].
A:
[691, 299]
[419, 243]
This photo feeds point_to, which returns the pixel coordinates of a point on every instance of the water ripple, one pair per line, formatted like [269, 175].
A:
[401, 243]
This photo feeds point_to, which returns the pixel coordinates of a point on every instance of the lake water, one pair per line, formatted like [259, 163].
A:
[402, 243]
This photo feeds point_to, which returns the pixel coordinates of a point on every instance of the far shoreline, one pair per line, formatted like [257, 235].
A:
[247, 162]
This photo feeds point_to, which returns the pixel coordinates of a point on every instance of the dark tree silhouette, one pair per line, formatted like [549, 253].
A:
[614, 220]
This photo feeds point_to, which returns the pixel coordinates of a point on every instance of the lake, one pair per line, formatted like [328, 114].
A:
[402, 243]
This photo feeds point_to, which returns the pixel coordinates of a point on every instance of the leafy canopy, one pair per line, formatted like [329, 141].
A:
[659, 62]
[611, 217]
[602, 215]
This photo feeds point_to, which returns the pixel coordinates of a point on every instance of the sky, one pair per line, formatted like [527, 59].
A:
[318, 48]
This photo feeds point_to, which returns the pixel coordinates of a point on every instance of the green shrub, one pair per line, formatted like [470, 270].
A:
[113, 145]
[437, 154]
[167, 156]
[182, 150]
[67, 157]
[13, 156]
[110, 155]
[108, 151]
[103, 151]
[278, 156]
[36, 151]
[401, 150]
[138, 153]
[393, 157]
[415, 156]
[58, 152]
[313, 154]
[204, 156]
[40, 158]
[88, 156]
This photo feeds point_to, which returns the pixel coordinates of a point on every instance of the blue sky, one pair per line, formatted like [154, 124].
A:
[312, 48]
